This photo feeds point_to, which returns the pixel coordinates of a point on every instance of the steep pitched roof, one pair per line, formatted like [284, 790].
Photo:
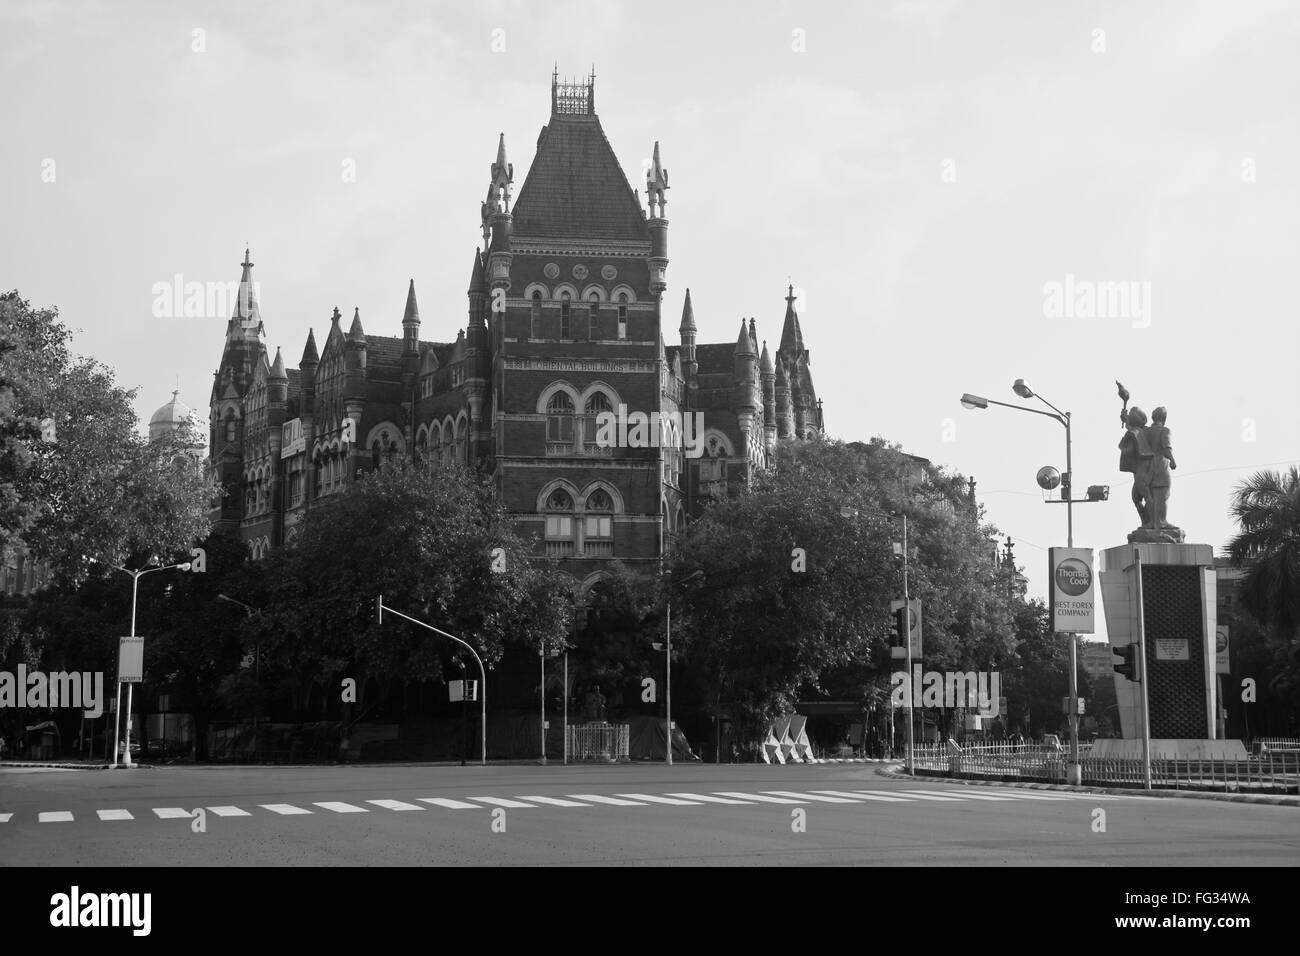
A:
[575, 188]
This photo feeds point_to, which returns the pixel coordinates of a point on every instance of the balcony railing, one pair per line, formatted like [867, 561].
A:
[559, 549]
[598, 549]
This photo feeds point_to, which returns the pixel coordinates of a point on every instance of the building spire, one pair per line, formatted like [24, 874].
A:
[356, 333]
[309, 353]
[688, 315]
[412, 313]
[656, 182]
[791, 334]
[277, 367]
[503, 175]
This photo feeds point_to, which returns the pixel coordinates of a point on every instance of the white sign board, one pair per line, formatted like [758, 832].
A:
[130, 660]
[1171, 649]
[463, 690]
[1073, 584]
[292, 439]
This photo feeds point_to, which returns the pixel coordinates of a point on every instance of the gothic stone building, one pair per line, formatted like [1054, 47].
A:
[564, 321]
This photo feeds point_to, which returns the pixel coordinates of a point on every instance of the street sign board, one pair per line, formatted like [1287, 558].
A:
[130, 660]
[463, 690]
[1073, 586]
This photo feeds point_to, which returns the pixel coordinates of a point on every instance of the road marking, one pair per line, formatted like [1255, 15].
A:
[450, 804]
[338, 807]
[926, 795]
[56, 816]
[4, 817]
[864, 795]
[1057, 795]
[229, 812]
[808, 797]
[503, 802]
[755, 796]
[708, 799]
[610, 801]
[556, 801]
[115, 814]
[284, 809]
[971, 796]
[670, 801]
[172, 813]
[395, 805]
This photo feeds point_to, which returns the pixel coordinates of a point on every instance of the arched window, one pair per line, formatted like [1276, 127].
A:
[535, 320]
[622, 315]
[559, 524]
[559, 418]
[593, 312]
[597, 402]
[462, 441]
[564, 315]
[231, 428]
[598, 524]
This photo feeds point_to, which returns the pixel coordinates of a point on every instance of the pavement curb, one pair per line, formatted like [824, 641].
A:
[4, 765]
[1279, 800]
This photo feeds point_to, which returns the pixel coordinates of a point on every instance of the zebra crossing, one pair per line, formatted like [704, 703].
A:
[588, 801]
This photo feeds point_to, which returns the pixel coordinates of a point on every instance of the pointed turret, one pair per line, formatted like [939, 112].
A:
[246, 319]
[477, 278]
[753, 335]
[277, 368]
[765, 361]
[744, 346]
[503, 175]
[791, 334]
[656, 184]
[355, 332]
[688, 315]
[411, 323]
[309, 353]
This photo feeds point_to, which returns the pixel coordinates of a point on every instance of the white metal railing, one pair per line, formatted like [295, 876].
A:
[599, 741]
[1276, 771]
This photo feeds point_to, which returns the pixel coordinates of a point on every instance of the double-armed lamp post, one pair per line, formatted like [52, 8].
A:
[1095, 493]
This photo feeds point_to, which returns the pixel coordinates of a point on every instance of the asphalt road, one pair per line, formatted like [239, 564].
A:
[750, 815]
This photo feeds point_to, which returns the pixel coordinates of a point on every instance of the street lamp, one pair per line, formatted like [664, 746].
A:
[257, 657]
[848, 512]
[1095, 493]
[380, 608]
[136, 575]
[668, 664]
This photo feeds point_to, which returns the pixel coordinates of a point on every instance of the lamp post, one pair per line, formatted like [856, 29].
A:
[136, 575]
[668, 665]
[380, 608]
[1022, 389]
[257, 657]
[848, 512]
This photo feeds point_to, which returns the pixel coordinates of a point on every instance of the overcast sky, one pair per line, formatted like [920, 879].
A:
[923, 171]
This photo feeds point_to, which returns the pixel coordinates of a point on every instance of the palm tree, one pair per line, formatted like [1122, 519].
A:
[1267, 508]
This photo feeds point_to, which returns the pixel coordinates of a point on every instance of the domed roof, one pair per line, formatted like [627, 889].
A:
[174, 412]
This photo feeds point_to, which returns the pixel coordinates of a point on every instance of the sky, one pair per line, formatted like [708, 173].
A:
[961, 194]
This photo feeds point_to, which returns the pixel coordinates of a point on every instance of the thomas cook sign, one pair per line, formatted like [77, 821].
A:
[1073, 604]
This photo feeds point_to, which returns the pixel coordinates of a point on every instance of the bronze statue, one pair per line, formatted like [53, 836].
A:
[1146, 451]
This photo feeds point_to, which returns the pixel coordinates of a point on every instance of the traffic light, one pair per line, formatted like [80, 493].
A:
[1065, 486]
[379, 609]
[900, 628]
[1129, 669]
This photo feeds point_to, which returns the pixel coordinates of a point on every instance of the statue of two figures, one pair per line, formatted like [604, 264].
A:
[1147, 453]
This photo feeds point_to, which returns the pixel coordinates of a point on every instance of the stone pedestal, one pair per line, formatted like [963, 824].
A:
[1172, 615]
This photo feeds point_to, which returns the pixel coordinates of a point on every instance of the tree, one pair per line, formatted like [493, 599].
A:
[796, 592]
[428, 540]
[77, 479]
[1267, 508]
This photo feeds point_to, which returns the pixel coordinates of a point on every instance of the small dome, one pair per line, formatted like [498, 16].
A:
[169, 417]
